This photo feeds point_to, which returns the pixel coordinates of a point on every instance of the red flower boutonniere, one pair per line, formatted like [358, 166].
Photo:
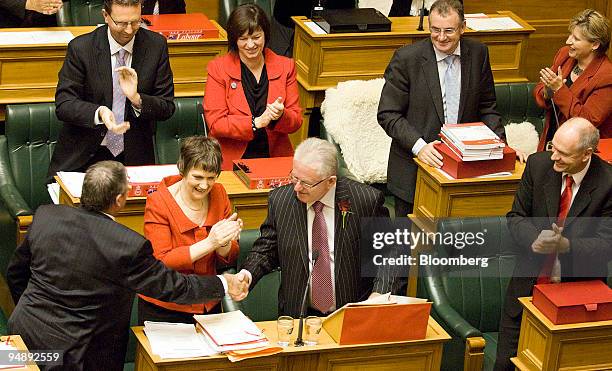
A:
[345, 209]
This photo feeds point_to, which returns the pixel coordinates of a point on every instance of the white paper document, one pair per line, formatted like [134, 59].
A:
[315, 28]
[54, 190]
[491, 24]
[176, 340]
[35, 37]
[73, 181]
[5, 349]
[231, 331]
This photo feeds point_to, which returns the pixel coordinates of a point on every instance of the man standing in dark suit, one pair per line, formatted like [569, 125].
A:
[163, 7]
[561, 222]
[317, 219]
[115, 83]
[28, 13]
[75, 276]
[444, 79]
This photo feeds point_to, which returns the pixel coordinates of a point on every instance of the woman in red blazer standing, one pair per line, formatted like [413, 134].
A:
[251, 99]
[580, 79]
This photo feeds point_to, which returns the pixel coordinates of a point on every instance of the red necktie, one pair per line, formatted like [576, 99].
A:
[322, 290]
[564, 206]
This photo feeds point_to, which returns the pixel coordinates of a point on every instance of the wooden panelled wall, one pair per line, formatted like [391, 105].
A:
[549, 18]
[208, 7]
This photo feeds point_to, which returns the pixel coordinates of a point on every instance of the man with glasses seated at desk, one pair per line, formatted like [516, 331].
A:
[115, 83]
[305, 231]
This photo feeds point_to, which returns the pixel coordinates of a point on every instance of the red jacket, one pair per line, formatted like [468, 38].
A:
[227, 111]
[590, 96]
[172, 233]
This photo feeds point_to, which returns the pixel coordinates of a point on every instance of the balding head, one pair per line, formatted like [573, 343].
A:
[574, 144]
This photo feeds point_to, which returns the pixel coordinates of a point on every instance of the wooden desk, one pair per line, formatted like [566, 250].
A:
[437, 196]
[250, 204]
[28, 73]
[18, 343]
[547, 347]
[322, 61]
[327, 355]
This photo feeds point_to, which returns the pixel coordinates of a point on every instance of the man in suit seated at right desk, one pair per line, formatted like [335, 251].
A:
[561, 223]
[313, 225]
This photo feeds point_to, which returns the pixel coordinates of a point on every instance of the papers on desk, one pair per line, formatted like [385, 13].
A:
[5, 349]
[73, 182]
[493, 175]
[54, 190]
[35, 37]
[492, 24]
[384, 299]
[315, 28]
[176, 340]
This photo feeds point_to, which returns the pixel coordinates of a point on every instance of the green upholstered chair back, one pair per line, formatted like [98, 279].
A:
[80, 13]
[227, 6]
[478, 293]
[130, 354]
[262, 302]
[31, 133]
[515, 103]
[185, 122]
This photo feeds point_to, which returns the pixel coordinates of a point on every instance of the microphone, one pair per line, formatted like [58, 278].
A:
[420, 28]
[299, 342]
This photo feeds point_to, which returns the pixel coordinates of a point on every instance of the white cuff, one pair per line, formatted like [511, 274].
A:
[97, 120]
[418, 146]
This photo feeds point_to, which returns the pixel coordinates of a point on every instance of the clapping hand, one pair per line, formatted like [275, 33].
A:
[128, 80]
[108, 118]
[225, 231]
[550, 241]
[44, 6]
[276, 108]
[551, 80]
[236, 288]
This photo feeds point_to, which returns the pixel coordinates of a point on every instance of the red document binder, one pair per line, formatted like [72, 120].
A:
[605, 150]
[191, 26]
[459, 169]
[261, 173]
[574, 302]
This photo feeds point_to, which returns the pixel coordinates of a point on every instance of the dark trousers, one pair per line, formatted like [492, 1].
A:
[507, 343]
[151, 312]
[402, 207]
[102, 154]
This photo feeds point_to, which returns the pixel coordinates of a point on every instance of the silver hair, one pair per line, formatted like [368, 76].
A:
[318, 154]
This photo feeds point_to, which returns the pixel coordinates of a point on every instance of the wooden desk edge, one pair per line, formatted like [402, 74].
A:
[527, 304]
[519, 167]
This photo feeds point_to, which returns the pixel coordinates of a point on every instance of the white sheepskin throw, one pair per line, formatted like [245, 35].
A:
[383, 6]
[523, 137]
[349, 113]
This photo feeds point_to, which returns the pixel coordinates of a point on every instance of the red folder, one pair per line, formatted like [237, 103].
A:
[605, 149]
[191, 26]
[261, 173]
[574, 302]
[458, 169]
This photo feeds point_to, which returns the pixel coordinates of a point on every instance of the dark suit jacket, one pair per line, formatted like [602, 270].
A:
[284, 243]
[14, 14]
[411, 104]
[165, 6]
[588, 225]
[85, 83]
[74, 279]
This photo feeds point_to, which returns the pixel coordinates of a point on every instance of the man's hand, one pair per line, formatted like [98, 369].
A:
[128, 80]
[429, 155]
[276, 108]
[108, 118]
[551, 80]
[237, 289]
[550, 241]
[44, 6]
[242, 276]
[520, 155]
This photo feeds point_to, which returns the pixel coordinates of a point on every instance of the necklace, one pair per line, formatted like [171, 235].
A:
[577, 70]
[186, 203]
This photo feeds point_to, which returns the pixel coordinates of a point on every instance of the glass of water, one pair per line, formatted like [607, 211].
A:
[313, 330]
[284, 325]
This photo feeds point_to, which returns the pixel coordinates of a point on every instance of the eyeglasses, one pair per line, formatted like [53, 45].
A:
[296, 180]
[446, 31]
[134, 24]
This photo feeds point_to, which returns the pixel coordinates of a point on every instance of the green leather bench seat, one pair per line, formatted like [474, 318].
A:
[227, 6]
[80, 13]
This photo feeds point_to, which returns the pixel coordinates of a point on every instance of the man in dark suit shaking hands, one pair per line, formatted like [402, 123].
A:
[75, 276]
[115, 83]
[317, 216]
[561, 220]
[443, 79]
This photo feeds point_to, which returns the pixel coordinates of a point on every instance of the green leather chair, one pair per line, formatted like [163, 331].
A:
[186, 121]
[262, 302]
[80, 13]
[468, 302]
[515, 103]
[227, 6]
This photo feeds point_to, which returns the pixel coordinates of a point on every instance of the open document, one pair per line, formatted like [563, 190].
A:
[35, 37]
[176, 340]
